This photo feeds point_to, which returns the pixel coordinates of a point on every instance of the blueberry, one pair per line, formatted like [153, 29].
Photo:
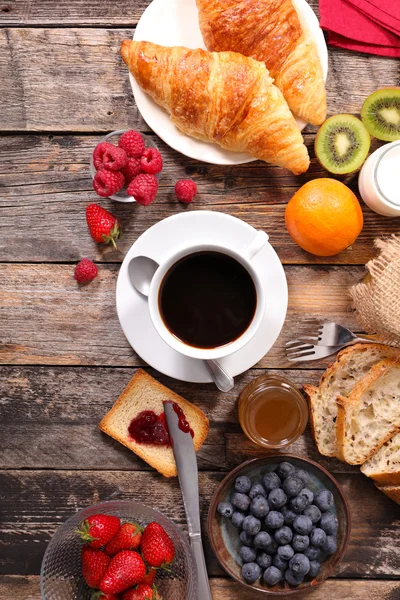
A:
[329, 523]
[246, 539]
[330, 545]
[302, 524]
[262, 540]
[299, 564]
[324, 500]
[277, 498]
[298, 504]
[243, 484]
[225, 509]
[300, 542]
[247, 554]
[303, 475]
[313, 512]
[285, 469]
[271, 481]
[264, 560]
[292, 486]
[271, 548]
[240, 501]
[274, 519]
[308, 495]
[257, 489]
[292, 578]
[283, 535]
[311, 552]
[318, 537]
[288, 514]
[279, 563]
[315, 568]
[272, 576]
[259, 507]
[237, 519]
[251, 572]
[285, 552]
[251, 525]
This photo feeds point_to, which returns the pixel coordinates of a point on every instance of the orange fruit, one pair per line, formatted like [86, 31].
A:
[324, 217]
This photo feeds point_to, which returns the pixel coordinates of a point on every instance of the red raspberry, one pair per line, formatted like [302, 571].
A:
[85, 271]
[131, 169]
[109, 156]
[143, 188]
[132, 142]
[151, 161]
[185, 190]
[107, 183]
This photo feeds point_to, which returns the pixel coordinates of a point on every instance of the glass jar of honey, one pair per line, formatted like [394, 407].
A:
[272, 411]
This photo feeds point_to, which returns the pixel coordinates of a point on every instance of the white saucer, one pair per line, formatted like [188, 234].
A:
[175, 23]
[161, 240]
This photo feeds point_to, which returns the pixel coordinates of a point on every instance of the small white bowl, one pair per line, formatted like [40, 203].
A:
[113, 138]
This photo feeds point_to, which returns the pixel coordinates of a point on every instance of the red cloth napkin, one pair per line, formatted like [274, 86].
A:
[384, 12]
[349, 28]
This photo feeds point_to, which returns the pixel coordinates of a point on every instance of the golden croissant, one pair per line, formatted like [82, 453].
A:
[270, 31]
[222, 97]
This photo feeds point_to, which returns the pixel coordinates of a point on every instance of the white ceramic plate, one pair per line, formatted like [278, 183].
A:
[175, 23]
[159, 242]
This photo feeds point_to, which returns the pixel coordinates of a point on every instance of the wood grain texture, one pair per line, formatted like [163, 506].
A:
[27, 588]
[45, 185]
[66, 79]
[36, 502]
[48, 319]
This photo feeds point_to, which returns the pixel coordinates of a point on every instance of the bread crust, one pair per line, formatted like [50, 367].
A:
[201, 427]
[392, 491]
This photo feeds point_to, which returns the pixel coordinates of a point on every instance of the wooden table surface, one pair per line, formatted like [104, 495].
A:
[64, 357]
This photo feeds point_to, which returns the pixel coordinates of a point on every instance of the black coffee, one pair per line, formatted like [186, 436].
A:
[207, 299]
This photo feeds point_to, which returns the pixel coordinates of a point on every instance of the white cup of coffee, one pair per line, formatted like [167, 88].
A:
[207, 301]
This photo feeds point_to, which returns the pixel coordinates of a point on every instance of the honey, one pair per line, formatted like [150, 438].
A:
[272, 411]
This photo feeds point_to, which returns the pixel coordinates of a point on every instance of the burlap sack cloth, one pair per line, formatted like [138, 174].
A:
[377, 300]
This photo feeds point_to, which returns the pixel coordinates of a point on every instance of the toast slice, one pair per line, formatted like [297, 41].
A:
[143, 392]
[370, 415]
[393, 491]
[384, 466]
[339, 379]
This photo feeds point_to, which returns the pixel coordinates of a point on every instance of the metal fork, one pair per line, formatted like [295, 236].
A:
[322, 339]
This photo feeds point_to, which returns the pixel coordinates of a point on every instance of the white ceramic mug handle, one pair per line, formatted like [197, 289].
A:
[255, 245]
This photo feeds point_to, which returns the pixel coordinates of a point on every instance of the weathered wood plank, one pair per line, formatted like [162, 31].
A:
[36, 502]
[45, 186]
[56, 410]
[48, 319]
[65, 79]
[20, 587]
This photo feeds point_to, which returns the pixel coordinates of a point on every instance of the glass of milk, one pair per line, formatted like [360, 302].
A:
[379, 180]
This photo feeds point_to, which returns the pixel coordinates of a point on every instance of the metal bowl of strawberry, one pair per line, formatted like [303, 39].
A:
[119, 550]
[126, 166]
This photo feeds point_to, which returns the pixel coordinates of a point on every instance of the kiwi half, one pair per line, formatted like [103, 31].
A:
[342, 144]
[380, 114]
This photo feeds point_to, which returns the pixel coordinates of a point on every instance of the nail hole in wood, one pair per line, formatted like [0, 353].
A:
[109, 112]
[6, 9]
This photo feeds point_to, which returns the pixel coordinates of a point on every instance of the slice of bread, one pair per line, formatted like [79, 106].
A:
[384, 466]
[370, 415]
[393, 491]
[339, 379]
[143, 392]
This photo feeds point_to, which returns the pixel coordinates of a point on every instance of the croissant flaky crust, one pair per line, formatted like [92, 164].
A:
[222, 97]
[270, 31]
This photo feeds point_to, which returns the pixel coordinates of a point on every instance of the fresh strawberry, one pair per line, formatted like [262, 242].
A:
[125, 570]
[103, 226]
[127, 538]
[98, 530]
[102, 596]
[141, 592]
[150, 576]
[157, 547]
[94, 566]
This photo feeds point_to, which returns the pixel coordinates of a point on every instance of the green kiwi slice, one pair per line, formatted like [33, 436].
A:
[380, 114]
[342, 144]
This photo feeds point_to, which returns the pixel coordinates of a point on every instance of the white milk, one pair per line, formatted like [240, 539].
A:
[379, 180]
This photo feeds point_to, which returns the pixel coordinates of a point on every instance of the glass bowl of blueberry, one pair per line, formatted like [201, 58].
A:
[279, 524]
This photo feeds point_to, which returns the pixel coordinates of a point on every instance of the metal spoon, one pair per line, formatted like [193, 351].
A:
[141, 270]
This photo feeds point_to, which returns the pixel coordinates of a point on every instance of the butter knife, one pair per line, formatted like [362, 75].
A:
[186, 462]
